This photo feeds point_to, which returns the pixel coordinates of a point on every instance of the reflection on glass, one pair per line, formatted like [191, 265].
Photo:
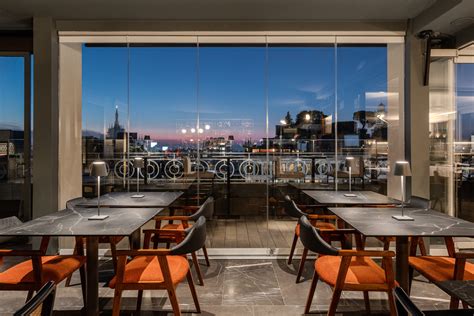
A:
[301, 97]
[12, 109]
[362, 110]
[105, 114]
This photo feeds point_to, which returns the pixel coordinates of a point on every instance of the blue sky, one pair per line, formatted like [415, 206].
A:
[168, 86]
[11, 92]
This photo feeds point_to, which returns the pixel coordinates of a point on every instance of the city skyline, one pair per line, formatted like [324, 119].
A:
[232, 85]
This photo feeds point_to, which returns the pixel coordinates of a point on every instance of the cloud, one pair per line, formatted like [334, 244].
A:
[10, 126]
[360, 65]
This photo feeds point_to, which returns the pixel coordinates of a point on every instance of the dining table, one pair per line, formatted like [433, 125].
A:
[345, 198]
[462, 289]
[127, 199]
[379, 222]
[122, 222]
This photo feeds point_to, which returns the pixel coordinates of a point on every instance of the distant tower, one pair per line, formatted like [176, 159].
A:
[116, 129]
[381, 109]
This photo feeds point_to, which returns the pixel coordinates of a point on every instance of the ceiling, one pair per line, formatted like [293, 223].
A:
[18, 13]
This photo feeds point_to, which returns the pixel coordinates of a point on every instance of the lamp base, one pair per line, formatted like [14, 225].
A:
[138, 196]
[98, 217]
[402, 218]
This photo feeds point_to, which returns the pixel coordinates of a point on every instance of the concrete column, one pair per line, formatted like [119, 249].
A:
[45, 127]
[417, 119]
[45, 123]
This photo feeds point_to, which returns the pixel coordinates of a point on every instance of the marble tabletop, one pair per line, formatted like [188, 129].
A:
[464, 290]
[310, 186]
[341, 198]
[121, 222]
[379, 222]
[125, 199]
[166, 186]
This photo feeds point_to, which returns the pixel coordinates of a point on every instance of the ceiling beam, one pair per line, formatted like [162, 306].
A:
[434, 12]
[465, 36]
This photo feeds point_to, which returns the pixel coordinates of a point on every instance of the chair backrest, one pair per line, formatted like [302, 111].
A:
[311, 239]
[206, 209]
[194, 240]
[405, 303]
[71, 204]
[419, 202]
[40, 304]
[291, 209]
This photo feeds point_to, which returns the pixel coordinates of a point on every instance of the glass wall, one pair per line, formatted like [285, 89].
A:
[15, 122]
[244, 122]
[451, 136]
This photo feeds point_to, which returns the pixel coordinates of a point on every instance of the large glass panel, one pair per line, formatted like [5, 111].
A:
[464, 140]
[14, 148]
[232, 131]
[163, 116]
[105, 121]
[362, 110]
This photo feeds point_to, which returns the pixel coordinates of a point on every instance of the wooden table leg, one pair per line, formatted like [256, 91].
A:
[92, 266]
[401, 263]
[135, 240]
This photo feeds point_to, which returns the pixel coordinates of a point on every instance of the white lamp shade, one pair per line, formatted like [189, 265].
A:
[99, 169]
[402, 168]
[138, 162]
[350, 162]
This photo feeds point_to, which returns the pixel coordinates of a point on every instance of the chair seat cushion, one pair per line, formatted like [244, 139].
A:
[147, 269]
[319, 224]
[55, 268]
[438, 269]
[362, 270]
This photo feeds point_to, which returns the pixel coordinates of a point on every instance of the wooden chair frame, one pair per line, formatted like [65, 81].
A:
[161, 254]
[185, 221]
[39, 282]
[340, 285]
[459, 265]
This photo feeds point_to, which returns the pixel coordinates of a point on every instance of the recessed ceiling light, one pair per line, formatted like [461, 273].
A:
[463, 20]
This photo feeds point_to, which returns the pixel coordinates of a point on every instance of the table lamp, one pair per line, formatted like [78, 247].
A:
[350, 163]
[138, 163]
[402, 169]
[99, 169]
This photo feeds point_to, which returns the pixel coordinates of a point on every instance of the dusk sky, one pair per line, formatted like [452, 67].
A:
[166, 91]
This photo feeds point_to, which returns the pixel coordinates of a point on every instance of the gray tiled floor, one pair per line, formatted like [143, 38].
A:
[237, 287]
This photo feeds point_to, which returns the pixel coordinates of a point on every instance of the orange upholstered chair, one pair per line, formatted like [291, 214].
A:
[442, 268]
[159, 269]
[31, 275]
[182, 223]
[347, 270]
[318, 221]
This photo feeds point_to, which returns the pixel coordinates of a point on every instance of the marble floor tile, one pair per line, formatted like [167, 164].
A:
[252, 284]
[236, 287]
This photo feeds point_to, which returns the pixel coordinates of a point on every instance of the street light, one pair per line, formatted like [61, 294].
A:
[307, 117]
[207, 127]
[183, 131]
[282, 122]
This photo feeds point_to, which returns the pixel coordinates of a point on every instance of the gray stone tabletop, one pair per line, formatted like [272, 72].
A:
[121, 222]
[166, 186]
[310, 186]
[379, 222]
[125, 199]
[343, 198]
[464, 290]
